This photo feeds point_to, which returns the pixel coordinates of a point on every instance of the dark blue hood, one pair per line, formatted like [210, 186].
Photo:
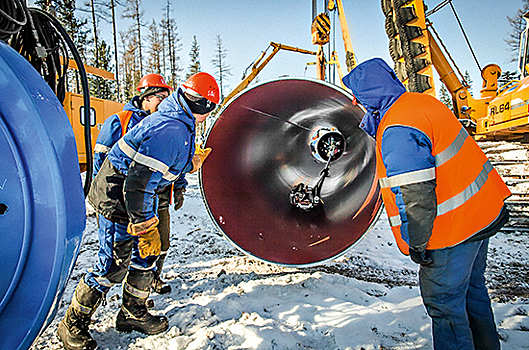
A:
[376, 87]
[133, 104]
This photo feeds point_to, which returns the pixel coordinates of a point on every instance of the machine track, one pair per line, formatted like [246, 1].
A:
[511, 160]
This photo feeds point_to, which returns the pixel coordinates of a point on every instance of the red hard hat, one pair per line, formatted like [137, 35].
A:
[152, 80]
[205, 85]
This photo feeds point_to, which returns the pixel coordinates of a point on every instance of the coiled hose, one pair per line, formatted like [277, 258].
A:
[45, 44]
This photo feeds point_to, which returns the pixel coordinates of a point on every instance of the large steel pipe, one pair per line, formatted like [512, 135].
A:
[42, 210]
[263, 145]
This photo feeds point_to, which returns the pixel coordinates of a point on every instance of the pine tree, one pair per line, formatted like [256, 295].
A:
[175, 46]
[75, 28]
[95, 31]
[518, 25]
[94, 82]
[194, 67]
[194, 55]
[134, 12]
[49, 6]
[155, 49]
[104, 10]
[467, 80]
[100, 87]
[164, 54]
[445, 97]
[507, 76]
[129, 64]
[171, 47]
[222, 70]
[114, 37]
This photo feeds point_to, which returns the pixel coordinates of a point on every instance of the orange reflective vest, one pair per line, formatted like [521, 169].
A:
[124, 119]
[470, 193]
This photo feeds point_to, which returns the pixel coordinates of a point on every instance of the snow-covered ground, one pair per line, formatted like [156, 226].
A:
[366, 299]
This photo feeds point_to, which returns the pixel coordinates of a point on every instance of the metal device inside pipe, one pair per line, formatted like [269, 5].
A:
[274, 137]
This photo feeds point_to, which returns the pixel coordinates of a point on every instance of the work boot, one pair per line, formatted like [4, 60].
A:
[133, 315]
[159, 286]
[73, 328]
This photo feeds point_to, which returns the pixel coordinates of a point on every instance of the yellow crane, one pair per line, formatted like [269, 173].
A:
[258, 65]
[320, 32]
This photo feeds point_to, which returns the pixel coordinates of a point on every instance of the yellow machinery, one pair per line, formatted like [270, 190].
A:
[500, 113]
[100, 109]
[321, 35]
[350, 60]
[260, 63]
[321, 26]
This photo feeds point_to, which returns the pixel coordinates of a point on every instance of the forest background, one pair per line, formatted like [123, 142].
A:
[131, 38]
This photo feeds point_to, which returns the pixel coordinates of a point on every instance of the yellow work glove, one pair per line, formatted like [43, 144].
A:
[149, 242]
[199, 157]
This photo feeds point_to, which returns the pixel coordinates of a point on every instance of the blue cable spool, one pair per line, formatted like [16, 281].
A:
[42, 208]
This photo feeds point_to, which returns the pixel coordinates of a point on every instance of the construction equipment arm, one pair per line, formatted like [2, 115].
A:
[258, 66]
[349, 53]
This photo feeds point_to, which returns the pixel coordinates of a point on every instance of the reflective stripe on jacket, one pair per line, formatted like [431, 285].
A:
[114, 127]
[469, 192]
[159, 149]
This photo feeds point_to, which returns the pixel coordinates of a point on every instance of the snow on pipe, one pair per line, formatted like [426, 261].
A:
[291, 176]
[42, 209]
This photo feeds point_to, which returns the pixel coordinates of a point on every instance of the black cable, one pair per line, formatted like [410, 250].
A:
[437, 8]
[12, 18]
[44, 43]
[465, 35]
[86, 94]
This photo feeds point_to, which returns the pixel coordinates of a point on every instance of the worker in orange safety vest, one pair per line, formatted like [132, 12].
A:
[443, 198]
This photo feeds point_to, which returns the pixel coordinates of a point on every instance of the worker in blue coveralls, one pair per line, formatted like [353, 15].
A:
[153, 90]
[152, 155]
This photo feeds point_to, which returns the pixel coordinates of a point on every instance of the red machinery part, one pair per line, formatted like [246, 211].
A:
[261, 150]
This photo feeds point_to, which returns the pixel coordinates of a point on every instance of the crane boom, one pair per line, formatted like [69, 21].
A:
[350, 60]
[258, 66]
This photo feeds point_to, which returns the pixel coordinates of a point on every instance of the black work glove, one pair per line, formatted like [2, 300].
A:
[423, 258]
[178, 196]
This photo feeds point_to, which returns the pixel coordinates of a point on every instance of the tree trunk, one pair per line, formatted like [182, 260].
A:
[114, 35]
[138, 23]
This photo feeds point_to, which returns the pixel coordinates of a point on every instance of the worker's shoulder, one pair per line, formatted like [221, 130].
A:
[414, 103]
[111, 124]
[166, 127]
[113, 118]
[416, 99]
[174, 125]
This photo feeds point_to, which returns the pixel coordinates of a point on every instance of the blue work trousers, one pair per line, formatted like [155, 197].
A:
[118, 252]
[454, 293]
